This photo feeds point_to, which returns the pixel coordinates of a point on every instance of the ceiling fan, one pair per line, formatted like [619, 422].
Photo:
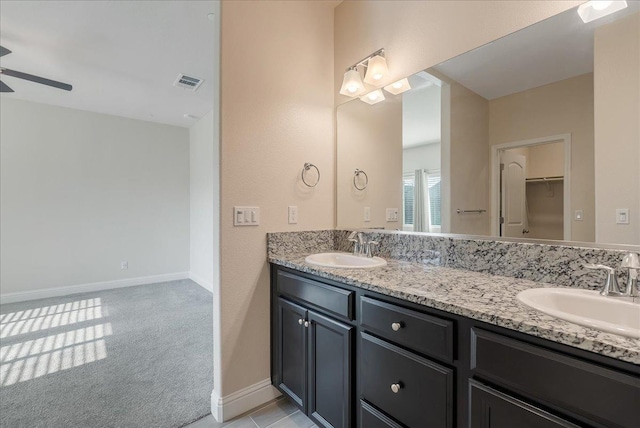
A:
[20, 75]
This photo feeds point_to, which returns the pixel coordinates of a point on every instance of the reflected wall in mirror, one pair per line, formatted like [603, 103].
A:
[535, 135]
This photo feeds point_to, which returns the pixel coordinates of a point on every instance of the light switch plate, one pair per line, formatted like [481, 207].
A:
[622, 216]
[579, 215]
[246, 216]
[293, 214]
[392, 214]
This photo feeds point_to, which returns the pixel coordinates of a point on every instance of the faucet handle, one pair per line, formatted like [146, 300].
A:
[599, 267]
[369, 249]
[610, 286]
[353, 237]
[630, 261]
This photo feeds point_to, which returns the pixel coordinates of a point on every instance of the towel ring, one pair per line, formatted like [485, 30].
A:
[307, 167]
[356, 174]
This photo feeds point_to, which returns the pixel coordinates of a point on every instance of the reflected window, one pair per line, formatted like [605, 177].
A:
[434, 200]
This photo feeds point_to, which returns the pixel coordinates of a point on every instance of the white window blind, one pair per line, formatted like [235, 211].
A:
[435, 200]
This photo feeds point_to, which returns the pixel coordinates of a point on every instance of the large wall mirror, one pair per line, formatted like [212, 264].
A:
[535, 135]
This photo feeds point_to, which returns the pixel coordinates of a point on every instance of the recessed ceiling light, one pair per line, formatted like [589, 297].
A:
[211, 16]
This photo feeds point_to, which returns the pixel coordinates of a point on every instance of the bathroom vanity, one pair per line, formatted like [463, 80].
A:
[414, 345]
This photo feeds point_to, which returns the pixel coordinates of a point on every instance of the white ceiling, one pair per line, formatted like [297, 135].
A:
[555, 49]
[121, 57]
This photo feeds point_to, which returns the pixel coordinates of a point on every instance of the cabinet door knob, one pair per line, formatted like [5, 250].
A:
[396, 326]
[395, 387]
[300, 321]
[306, 323]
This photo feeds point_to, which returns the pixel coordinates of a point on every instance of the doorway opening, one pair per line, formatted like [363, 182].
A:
[531, 188]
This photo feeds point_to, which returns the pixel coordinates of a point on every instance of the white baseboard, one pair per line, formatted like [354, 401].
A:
[43, 293]
[226, 408]
[207, 285]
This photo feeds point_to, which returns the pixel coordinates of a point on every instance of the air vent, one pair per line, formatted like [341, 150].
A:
[188, 82]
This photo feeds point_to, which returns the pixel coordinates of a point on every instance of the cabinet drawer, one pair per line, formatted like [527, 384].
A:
[424, 398]
[493, 409]
[602, 395]
[370, 417]
[332, 299]
[426, 334]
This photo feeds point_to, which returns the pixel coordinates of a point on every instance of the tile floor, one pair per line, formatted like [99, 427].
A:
[278, 414]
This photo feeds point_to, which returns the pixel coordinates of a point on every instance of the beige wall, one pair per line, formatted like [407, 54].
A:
[545, 160]
[276, 114]
[468, 161]
[617, 130]
[370, 139]
[558, 108]
[545, 210]
[420, 34]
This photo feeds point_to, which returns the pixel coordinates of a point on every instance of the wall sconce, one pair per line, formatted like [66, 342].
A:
[376, 69]
[595, 9]
[373, 97]
[398, 87]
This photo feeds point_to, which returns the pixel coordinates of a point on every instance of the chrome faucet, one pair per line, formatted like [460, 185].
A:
[358, 242]
[360, 247]
[610, 287]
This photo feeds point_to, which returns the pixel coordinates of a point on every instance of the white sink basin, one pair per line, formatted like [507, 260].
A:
[586, 307]
[345, 260]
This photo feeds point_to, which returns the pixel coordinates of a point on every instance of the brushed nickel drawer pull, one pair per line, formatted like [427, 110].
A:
[300, 321]
[396, 326]
[395, 387]
[306, 323]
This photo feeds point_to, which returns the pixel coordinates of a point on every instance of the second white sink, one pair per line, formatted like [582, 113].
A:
[586, 307]
[345, 260]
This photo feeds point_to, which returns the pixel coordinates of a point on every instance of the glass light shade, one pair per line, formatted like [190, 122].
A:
[398, 87]
[376, 70]
[373, 97]
[595, 9]
[352, 84]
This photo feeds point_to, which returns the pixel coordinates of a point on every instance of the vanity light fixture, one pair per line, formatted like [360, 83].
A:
[373, 97]
[398, 87]
[596, 9]
[352, 85]
[376, 70]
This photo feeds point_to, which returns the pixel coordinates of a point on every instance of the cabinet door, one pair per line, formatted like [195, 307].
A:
[330, 371]
[292, 351]
[493, 409]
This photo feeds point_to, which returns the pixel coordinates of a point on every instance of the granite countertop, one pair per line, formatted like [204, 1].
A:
[480, 296]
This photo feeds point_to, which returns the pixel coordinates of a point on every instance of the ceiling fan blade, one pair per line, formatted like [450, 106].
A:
[36, 79]
[4, 87]
[4, 51]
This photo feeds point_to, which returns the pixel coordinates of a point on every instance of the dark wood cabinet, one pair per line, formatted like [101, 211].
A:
[330, 362]
[350, 357]
[292, 349]
[314, 356]
[493, 409]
